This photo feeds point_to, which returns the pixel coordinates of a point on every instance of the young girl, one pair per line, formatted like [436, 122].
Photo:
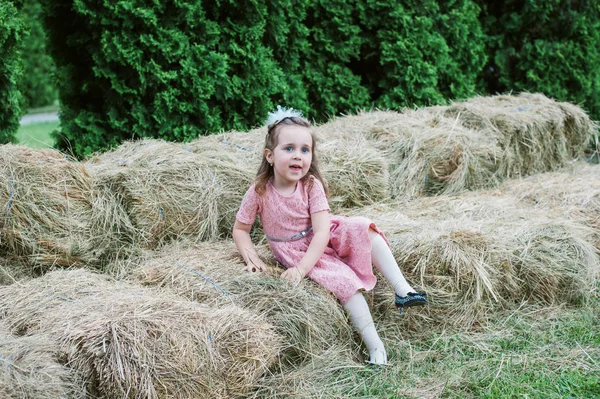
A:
[334, 251]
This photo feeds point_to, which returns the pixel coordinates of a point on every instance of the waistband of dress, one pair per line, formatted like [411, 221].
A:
[295, 237]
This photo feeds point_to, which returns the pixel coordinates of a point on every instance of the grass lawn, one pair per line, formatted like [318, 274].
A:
[534, 352]
[37, 135]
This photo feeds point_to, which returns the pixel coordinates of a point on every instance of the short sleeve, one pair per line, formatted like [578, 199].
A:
[317, 200]
[250, 207]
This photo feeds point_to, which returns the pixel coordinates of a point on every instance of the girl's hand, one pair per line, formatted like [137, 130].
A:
[293, 275]
[255, 265]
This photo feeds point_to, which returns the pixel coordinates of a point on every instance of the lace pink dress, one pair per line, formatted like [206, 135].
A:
[345, 266]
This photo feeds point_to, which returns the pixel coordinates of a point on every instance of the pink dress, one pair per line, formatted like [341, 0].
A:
[345, 266]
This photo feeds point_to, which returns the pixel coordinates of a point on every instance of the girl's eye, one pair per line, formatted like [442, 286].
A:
[305, 150]
[288, 149]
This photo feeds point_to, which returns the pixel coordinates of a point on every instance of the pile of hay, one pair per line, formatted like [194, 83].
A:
[427, 153]
[168, 192]
[478, 252]
[536, 133]
[306, 316]
[45, 209]
[574, 191]
[14, 270]
[29, 368]
[130, 341]
[355, 172]
[469, 145]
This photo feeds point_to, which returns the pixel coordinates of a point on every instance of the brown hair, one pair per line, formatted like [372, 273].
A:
[265, 170]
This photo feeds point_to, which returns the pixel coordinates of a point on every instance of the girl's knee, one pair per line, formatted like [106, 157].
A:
[372, 233]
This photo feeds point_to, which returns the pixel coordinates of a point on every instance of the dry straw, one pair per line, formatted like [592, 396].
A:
[169, 192]
[356, 173]
[536, 133]
[308, 318]
[469, 145]
[45, 208]
[573, 191]
[129, 341]
[14, 270]
[29, 369]
[477, 252]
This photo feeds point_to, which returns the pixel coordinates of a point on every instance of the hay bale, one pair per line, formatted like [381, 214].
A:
[29, 368]
[168, 192]
[129, 341]
[356, 173]
[45, 203]
[309, 319]
[574, 190]
[476, 252]
[324, 376]
[537, 133]
[15, 270]
[440, 157]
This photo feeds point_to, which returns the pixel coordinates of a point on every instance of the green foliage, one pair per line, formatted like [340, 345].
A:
[172, 70]
[418, 52]
[37, 82]
[179, 69]
[11, 33]
[552, 47]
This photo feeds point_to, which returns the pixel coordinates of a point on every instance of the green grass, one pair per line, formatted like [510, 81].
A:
[37, 135]
[535, 352]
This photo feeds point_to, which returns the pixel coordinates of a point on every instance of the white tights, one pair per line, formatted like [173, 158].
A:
[357, 307]
[361, 319]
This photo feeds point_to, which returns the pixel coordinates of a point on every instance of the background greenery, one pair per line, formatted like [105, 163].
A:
[179, 69]
[11, 34]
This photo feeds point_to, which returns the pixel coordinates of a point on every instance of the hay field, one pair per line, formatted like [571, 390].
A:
[118, 276]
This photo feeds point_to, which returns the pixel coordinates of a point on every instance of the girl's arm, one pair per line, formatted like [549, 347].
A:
[320, 225]
[241, 237]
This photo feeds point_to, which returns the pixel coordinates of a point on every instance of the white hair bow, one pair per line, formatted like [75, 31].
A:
[282, 113]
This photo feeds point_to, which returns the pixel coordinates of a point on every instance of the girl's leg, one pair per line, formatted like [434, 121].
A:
[384, 261]
[361, 319]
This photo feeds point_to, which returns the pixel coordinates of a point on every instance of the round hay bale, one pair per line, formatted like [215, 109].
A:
[130, 341]
[167, 191]
[308, 318]
[536, 133]
[46, 209]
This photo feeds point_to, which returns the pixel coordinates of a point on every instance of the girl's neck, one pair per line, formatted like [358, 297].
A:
[284, 189]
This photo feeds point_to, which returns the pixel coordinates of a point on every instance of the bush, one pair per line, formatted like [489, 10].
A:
[418, 52]
[177, 70]
[37, 82]
[171, 70]
[11, 33]
[550, 47]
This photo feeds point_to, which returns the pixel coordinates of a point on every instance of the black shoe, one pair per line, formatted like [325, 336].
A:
[411, 299]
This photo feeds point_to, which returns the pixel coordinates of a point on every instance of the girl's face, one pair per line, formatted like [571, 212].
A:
[292, 156]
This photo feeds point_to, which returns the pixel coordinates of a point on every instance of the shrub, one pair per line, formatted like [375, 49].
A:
[420, 53]
[179, 69]
[550, 47]
[37, 82]
[171, 70]
[11, 33]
